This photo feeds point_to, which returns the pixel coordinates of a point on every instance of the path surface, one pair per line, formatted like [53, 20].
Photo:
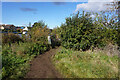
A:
[42, 67]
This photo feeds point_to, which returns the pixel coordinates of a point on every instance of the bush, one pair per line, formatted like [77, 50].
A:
[39, 33]
[38, 48]
[54, 41]
[81, 32]
[13, 66]
[10, 38]
[76, 32]
[16, 57]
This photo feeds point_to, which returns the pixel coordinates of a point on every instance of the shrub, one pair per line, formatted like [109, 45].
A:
[10, 38]
[16, 57]
[13, 66]
[38, 48]
[76, 32]
[81, 32]
[55, 41]
[39, 33]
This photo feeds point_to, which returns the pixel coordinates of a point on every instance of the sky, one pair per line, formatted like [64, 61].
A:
[44, 0]
[21, 13]
[53, 13]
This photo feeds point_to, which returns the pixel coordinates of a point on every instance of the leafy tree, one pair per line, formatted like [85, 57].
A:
[81, 31]
[39, 32]
[109, 21]
[76, 31]
[39, 24]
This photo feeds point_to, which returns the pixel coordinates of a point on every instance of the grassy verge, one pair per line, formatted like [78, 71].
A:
[16, 58]
[76, 64]
[0, 62]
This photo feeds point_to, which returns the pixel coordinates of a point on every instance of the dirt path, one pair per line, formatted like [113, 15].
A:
[42, 67]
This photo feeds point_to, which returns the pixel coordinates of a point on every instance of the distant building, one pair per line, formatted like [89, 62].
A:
[19, 28]
[1, 27]
[25, 30]
[7, 27]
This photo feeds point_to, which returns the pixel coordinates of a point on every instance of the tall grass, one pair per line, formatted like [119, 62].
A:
[77, 64]
[16, 58]
[0, 61]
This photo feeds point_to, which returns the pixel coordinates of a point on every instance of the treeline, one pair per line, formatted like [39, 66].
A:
[83, 32]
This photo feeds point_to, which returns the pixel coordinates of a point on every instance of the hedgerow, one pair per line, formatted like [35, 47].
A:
[81, 32]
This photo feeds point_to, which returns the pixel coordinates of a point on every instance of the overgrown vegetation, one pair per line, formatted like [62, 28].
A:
[18, 52]
[39, 32]
[96, 41]
[89, 64]
[81, 31]
[16, 58]
[10, 38]
[91, 46]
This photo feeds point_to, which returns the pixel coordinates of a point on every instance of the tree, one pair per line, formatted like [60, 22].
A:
[116, 8]
[39, 24]
[81, 31]
[39, 32]
[76, 32]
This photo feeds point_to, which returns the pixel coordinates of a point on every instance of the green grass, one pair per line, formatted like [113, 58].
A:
[14, 62]
[16, 58]
[76, 64]
[0, 62]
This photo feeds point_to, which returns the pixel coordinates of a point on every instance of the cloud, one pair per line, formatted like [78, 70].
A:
[94, 5]
[59, 3]
[28, 9]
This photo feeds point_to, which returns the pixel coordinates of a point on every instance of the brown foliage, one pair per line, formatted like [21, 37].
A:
[10, 38]
[39, 34]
